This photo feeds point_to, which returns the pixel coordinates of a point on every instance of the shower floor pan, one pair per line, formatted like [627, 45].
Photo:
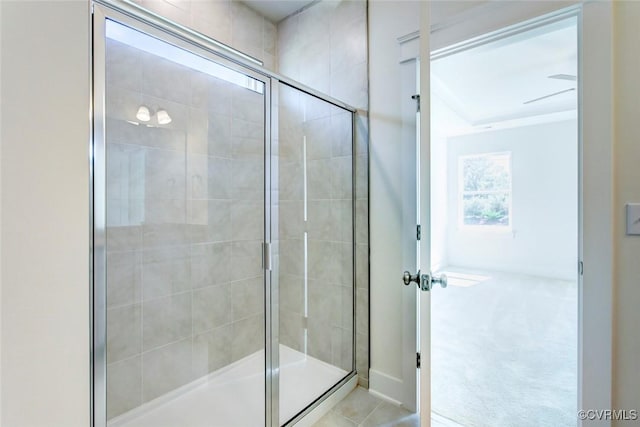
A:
[234, 395]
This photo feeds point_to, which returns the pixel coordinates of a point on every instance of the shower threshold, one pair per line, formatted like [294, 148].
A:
[233, 396]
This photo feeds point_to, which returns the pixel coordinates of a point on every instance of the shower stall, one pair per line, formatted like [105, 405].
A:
[223, 249]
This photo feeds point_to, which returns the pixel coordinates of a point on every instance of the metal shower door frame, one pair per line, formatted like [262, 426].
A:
[142, 20]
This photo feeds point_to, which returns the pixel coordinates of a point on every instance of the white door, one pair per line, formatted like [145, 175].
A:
[593, 347]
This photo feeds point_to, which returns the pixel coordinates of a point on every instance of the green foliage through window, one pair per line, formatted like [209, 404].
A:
[486, 189]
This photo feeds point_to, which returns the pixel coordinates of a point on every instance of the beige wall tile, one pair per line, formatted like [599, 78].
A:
[342, 174]
[212, 350]
[248, 174]
[341, 133]
[125, 238]
[248, 336]
[319, 135]
[166, 9]
[292, 330]
[209, 220]
[122, 103]
[124, 332]
[124, 386]
[213, 18]
[290, 180]
[246, 30]
[123, 66]
[291, 217]
[246, 259]
[349, 46]
[166, 320]
[124, 270]
[247, 105]
[165, 176]
[173, 361]
[319, 340]
[291, 293]
[219, 135]
[211, 307]
[210, 264]
[247, 220]
[166, 271]
[319, 179]
[247, 298]
[292, 257]
[162, 78]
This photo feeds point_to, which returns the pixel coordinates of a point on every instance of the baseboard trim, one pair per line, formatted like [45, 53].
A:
[386, 387]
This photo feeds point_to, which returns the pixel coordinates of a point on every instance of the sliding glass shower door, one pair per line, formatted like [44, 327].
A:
[223, 236]
[315, 273]
[185, 142]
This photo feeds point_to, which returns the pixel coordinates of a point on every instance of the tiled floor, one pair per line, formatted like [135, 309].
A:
[360, 408]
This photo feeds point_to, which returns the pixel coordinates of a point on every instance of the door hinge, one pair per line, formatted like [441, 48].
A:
[418, 360]
[418, 232]
[580, 268]
[417, 98]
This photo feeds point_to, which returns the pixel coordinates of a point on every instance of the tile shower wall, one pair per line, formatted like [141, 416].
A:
[325, 47]
[228, 21]
[184, 227]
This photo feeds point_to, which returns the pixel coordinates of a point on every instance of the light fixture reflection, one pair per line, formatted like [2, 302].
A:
[143, 114]
[163, 117]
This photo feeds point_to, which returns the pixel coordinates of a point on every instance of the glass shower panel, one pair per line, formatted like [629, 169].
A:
[315, 229]
[185, 149]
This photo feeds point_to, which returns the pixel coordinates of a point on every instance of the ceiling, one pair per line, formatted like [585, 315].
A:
[506, 82]
[277, 10]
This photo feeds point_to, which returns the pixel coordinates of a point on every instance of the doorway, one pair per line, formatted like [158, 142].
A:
[505, 229]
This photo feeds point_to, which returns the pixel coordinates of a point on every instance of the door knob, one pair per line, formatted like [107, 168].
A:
[407, 278]
[429, 280]
[426, 281]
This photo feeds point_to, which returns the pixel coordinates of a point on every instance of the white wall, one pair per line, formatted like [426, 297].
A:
[45, 213]
[0, 216]
[626, 393]
[543, 240]
[387, 21]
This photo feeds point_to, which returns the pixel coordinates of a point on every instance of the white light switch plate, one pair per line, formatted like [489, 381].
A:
[633, 219]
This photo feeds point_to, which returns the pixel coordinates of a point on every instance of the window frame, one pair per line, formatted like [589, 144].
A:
[461, 193]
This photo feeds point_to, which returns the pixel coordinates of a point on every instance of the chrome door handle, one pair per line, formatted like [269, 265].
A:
[407, 278]
[429, 280]
[426, 281]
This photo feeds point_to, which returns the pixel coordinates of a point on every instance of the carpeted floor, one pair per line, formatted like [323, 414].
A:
[504, 350]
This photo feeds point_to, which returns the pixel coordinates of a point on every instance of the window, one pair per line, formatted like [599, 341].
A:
[485, 190]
